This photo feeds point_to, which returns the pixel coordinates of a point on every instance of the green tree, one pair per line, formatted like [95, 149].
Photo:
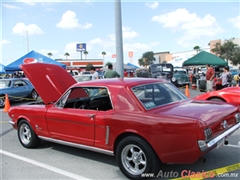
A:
[66, 54]
[85, 53]
[49, 54]
[104, 54]
[236, 59]
[88, 66]
[228, 51]
[197, 49]
[147, 59]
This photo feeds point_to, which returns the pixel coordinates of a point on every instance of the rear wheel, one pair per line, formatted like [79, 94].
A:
[34, 94]
[27, 136]
[136, 157]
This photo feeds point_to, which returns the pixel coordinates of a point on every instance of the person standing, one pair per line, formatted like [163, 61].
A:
[226, 77]
[110, 73]
[94, 73]
[209, 77]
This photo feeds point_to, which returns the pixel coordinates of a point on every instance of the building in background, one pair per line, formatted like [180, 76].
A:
[179, 57]
[80, 65]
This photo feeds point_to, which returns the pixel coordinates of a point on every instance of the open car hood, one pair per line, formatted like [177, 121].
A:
[49, 80]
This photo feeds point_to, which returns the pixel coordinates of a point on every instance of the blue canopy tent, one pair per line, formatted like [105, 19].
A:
[132, 65]
[31, 57]
[2, 71]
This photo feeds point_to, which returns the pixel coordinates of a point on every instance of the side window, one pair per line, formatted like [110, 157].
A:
[19, 83]
[91, 98]
[158, 94]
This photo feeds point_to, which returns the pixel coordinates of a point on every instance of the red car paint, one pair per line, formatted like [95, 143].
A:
[172, 130]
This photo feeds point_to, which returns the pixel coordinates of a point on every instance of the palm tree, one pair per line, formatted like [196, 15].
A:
[104, 54]
[197, 49]
[49, 54]
[66, 54]
[85, 53]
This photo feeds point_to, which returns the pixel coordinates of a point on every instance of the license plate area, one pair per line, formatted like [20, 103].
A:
[220, 143]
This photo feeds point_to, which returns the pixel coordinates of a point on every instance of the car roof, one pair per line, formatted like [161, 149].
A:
[119, 82]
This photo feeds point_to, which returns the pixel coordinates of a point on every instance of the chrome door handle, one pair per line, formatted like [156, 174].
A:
[91, 116]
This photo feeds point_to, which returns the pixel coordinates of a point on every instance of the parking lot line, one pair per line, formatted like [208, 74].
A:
[211, 173]
[45, 166]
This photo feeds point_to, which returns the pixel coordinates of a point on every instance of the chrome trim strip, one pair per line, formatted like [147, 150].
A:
[220, 137]
[103, 151]
[11, 122]
[107, 135]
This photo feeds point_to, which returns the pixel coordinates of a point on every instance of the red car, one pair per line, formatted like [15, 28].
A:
[229, 94]
[142, 121]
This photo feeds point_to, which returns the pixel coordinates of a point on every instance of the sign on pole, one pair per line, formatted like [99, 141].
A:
[130, 54]
[81, 47]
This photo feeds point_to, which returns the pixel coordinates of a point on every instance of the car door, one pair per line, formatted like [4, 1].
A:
[20, 88]
[69, 121]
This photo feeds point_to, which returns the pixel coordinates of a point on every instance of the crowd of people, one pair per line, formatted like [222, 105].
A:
[215, 79]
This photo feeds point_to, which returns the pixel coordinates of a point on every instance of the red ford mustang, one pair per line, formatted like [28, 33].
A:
[141, 121]
[230, 95]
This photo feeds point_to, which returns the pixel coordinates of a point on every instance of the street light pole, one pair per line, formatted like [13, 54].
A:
[118, 35]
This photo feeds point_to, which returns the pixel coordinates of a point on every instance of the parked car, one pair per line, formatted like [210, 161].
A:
[234, 71]
[16, 89]
[143, 122]
[229, 94]
[182, 77]
[160, 71]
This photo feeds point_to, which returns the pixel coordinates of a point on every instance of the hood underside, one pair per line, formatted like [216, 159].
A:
[49, 80]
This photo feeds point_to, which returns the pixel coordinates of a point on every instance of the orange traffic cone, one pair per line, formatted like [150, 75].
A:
[7, 104]
[187, 92]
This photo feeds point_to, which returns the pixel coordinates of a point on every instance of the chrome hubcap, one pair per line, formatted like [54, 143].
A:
[25, 134]
[134, 159]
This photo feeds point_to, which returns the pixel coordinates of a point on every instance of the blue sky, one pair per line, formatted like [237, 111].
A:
[57, 26]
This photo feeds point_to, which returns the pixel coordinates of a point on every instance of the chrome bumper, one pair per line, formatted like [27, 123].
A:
[203, 145]
[11, 122]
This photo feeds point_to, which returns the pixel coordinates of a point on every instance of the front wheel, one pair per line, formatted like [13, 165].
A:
[136, 157]
[2, 101]
[27, 136]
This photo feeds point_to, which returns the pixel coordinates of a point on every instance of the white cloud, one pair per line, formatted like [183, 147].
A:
[128, 33]
[29, 2]
[69, 21]
[50, 9]
[95, 41]
[152, 5]
[174, 19]
[154, 44]
[8, 6]
[235, 21]
[5, 42]
[21, 29]
[193, 26]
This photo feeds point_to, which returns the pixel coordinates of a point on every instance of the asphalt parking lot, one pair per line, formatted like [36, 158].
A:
[58, 162]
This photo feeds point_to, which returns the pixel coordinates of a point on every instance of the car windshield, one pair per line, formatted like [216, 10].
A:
[5, 83]
[180, 72]
[158, 94]
[83, 78]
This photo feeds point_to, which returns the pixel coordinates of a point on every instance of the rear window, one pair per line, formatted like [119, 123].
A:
[158, 94]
